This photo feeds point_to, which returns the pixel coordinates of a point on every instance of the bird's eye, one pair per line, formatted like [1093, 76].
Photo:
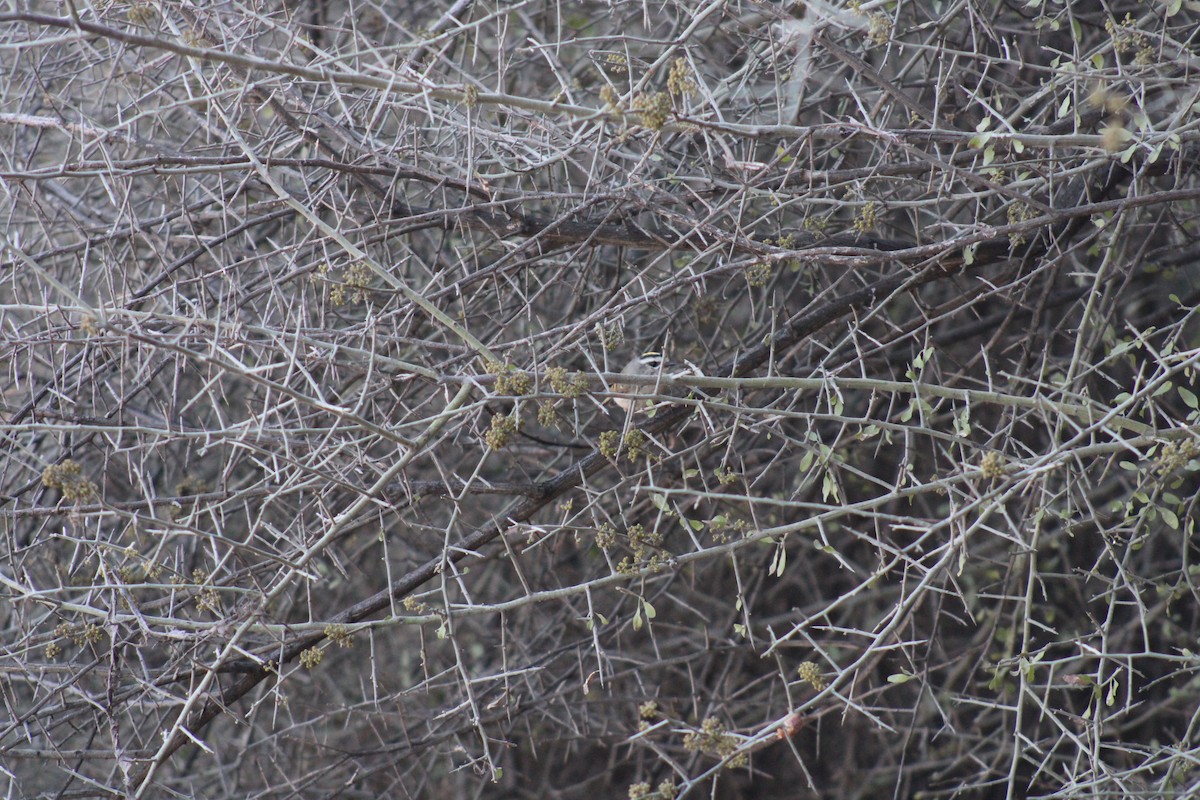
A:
[652, 360]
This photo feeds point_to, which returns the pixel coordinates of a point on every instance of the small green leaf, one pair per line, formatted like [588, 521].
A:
[969, 254]
[962, 423]
[869, 432]
[778, 561]
[1169, 517]
[829, 488]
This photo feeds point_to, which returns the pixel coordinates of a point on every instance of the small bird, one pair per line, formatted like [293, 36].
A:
[649, 364]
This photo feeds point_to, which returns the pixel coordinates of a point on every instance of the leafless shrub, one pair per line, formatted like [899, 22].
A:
[315, 484]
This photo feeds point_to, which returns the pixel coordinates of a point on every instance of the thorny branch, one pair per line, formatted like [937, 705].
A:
[313, 317]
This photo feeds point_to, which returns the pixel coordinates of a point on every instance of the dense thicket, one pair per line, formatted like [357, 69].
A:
[314, 478]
